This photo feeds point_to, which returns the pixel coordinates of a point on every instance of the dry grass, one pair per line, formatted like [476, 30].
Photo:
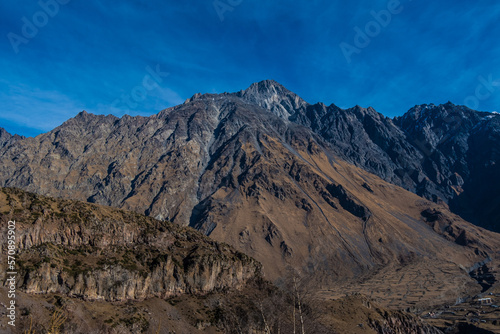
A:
[30, 330]
[57, 319]
[159, 327]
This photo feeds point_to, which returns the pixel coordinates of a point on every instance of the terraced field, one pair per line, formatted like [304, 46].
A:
[441, 293]
[418, 285]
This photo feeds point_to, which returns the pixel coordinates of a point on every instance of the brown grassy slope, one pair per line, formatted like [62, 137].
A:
[229, 312]
[66, 225]
[284, 214]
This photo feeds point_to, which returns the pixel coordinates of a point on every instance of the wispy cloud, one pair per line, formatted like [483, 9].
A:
[36, 109]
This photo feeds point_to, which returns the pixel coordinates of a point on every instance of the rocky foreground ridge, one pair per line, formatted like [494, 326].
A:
[99, 253]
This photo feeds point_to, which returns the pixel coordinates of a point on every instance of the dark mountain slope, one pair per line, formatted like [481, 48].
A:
[461, 148]
[443, 153]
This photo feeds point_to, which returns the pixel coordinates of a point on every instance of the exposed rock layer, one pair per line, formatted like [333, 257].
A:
[100, 253]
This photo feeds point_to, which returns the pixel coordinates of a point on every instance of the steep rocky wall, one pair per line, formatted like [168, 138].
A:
[99, 253]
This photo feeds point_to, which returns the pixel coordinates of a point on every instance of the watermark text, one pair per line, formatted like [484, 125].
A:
[223, 6]
[364, 36]
[11, 273]
[150, 81]
[31, 26]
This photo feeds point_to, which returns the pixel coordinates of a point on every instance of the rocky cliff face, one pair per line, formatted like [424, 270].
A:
[272, 96]
[366, 139]
[444, 153]
[99, 253]
[461, 150]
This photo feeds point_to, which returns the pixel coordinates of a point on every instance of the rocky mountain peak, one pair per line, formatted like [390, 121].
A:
[427, 112]
[361, 112]
[4, 133]
[439, 118]
[82, 113]
[428, 150]
[84, 116]
[195, 97]
[274, 97]
[266, 86]
[6, 137]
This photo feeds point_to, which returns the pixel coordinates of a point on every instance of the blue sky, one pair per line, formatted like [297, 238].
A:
[139, 57]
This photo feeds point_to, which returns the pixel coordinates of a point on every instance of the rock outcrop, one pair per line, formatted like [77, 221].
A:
[6, 138]
[98, 253]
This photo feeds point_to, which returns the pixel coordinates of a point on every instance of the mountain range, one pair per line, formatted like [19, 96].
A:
[443, 153]
[347, 197]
